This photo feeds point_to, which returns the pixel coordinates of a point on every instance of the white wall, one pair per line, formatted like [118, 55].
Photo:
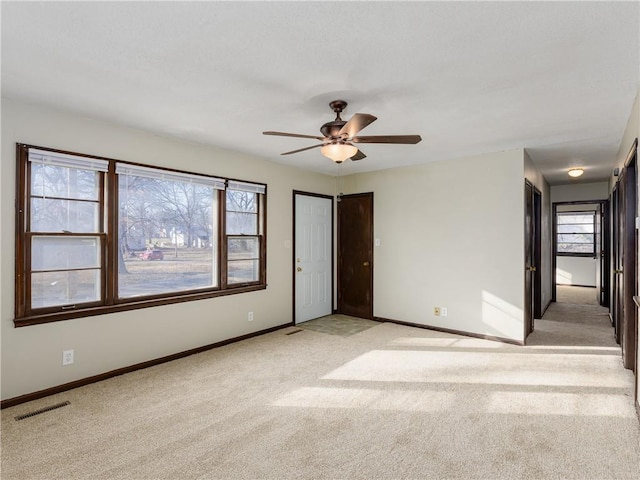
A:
[452, 235]
[31, 356]
[580, 192]
[576, 271]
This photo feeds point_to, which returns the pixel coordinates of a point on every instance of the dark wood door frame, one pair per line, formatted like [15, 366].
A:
[293, 249]
[554, 241]
[355, 262]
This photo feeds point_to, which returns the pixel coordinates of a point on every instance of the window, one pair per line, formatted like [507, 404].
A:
[576, 233]
[167, 235]
[98, 236]
[66, 230]
[244, 232]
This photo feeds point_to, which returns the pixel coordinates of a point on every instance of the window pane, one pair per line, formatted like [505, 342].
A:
[164, 272]
[243, 271]
[50, 289]
[239, 201]
[576, 238]
[63, 253]
[242, 223]
[49, 215]
[52, 181]
[575, 228]
[575, 248]
[575, 218]
[167, 236]
[242, 248]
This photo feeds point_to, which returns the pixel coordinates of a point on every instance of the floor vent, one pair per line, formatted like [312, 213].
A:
[295, 331]
[42, 410]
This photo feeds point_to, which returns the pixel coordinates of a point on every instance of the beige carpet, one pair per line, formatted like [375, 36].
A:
[577, 295]
[390, 402]
[337, 324]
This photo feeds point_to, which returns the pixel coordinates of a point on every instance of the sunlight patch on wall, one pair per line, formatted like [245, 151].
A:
[563, 277]
[502, 317]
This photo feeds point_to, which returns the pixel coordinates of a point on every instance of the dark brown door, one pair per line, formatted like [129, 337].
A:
[604, 253]
[529, 259]
[629, 278]
[537, 256]
[355, 255]
[617, 235]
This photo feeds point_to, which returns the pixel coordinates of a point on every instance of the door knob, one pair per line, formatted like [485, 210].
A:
[366, 264]
[299, 269]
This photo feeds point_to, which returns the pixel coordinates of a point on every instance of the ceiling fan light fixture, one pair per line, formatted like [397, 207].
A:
[338, 152]
[575, 172]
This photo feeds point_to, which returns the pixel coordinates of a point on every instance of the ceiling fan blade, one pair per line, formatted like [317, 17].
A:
[358, 156]
[303, 149]
[408, 139]
[297, 135]
[356, 123]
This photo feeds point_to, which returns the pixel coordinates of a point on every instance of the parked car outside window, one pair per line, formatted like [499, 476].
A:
[152, 254]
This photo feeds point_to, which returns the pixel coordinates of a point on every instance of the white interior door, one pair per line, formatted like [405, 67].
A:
[313, 237]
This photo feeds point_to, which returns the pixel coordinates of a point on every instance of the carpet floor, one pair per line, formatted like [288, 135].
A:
[576, 295]
[388, 402]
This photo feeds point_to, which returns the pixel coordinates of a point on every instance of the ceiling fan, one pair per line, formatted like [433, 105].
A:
[340, 136]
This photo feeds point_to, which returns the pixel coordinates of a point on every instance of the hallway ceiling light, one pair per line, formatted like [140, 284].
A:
[575, 172]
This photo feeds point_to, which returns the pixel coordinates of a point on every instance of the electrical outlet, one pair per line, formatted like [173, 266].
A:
[436, 311]
[67, 357]
[443, 311]
[250, 316]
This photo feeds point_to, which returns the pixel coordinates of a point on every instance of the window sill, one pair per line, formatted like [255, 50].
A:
[130, 305]
[586, 255]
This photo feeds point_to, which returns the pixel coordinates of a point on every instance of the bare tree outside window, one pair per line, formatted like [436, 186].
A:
[167, 230]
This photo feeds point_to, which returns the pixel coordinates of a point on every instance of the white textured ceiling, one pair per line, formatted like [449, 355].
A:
[557, 78]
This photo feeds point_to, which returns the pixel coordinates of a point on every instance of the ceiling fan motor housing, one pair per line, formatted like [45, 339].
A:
[331, 129]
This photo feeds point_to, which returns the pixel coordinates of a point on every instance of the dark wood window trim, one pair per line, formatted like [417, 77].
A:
[108, 199]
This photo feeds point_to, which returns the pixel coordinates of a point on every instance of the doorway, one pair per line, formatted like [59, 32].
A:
[312, 256]
[355, 255]
[580, 253]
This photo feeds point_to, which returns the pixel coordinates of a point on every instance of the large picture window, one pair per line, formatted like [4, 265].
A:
[98, 235]
[576, 233]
